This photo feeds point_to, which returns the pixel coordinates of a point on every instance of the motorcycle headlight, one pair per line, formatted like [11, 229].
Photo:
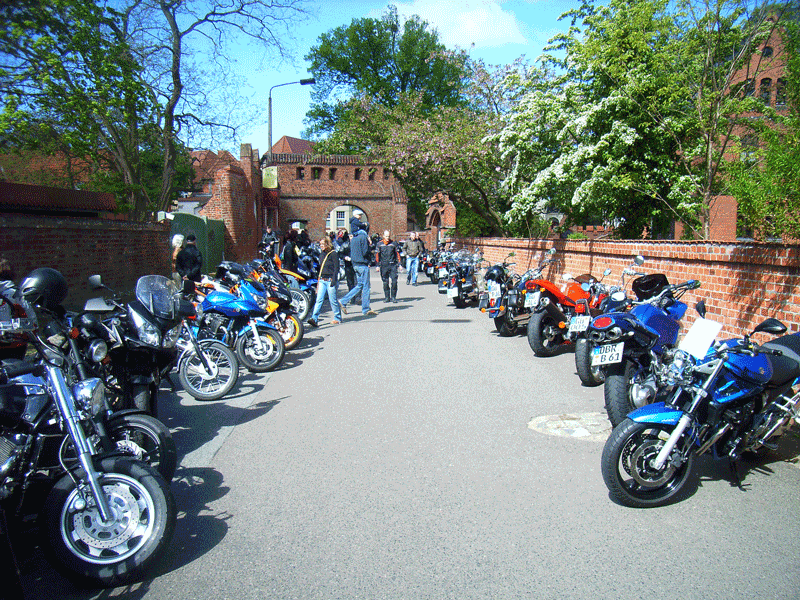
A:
[148, 333]
[90, 393]
[171, 337]
[97, 350]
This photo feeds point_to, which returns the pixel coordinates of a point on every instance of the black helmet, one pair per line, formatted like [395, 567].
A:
[44, 287]
[495, 273]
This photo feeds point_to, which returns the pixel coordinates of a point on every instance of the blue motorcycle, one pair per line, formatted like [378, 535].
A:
[628, 345]
[737, 396]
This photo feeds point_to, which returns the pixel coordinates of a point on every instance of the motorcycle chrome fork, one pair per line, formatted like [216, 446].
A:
[66, 404]
[259, 343]
[700, 394]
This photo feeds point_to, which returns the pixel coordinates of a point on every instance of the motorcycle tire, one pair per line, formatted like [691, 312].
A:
[433, 278]
[459, 302]
[292, 331]
[506, 325]
[146, 439]
[626, 465]
[301, 303]
[202, 385]
[544, 336]
[91, 552]
[590, 376]
[620, 378]
[248, 353]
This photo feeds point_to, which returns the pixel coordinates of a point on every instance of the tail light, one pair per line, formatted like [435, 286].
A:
[602, 322]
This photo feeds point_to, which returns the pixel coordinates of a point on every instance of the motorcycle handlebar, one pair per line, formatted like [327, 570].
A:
[15, 370]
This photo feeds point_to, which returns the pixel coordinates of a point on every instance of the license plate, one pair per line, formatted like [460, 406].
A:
[607, 354]
[442, 273]
[494, 291]
[532, 299]
[430, 270]
[579, 323]
[452, 292]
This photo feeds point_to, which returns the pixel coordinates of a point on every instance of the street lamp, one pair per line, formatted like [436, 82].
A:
[309, 81]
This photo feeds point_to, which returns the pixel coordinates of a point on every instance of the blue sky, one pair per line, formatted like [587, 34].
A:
[500, 30]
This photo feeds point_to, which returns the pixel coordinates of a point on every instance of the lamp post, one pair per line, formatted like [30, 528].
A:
[309, 81]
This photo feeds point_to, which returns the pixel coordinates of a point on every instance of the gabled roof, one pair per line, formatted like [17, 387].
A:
[291, 145]
[206, 163]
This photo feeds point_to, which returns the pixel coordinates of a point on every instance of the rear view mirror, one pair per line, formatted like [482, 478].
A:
[551, 251]
[701, 308]
[96, 282]
[639, 260]
[606, 272]
[566, 276]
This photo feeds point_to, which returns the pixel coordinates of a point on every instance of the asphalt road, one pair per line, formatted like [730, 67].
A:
[392, 457]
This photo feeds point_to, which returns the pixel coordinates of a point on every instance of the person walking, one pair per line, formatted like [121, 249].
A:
[189, 261]
[342, 247]
[328, 277]
[177, 246]
[360, 256]
[388, 259]
[289, 252]
[414, 248]
[269, 241]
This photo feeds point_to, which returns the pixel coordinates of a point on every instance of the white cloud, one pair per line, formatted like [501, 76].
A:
[466, 22]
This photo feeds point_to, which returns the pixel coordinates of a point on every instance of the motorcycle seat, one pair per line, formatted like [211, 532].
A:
[786, 367]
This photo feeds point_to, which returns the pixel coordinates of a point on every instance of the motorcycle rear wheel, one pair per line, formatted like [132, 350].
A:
[146, 439]
[544, 336]
[224, 371]
[291, 331]
[506, 325]
[301, 303]
[626, 465]
[254, 360]
[86, 549]
[590, 376]
[620, 379]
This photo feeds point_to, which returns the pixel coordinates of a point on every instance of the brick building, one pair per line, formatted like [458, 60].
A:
[322, 192]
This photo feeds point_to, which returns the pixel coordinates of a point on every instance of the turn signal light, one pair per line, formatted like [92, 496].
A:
[562, 325]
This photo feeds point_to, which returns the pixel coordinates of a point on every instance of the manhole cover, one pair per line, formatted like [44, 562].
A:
[594, 427]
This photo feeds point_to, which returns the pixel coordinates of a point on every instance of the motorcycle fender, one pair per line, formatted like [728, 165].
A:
[128, 411]
[656, 413]
[259, 323]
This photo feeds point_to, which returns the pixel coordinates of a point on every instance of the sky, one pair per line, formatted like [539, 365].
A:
[496, 31]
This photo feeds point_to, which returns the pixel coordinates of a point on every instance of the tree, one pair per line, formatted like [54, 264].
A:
[383, 59]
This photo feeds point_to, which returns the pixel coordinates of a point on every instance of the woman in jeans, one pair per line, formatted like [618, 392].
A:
[328, 274]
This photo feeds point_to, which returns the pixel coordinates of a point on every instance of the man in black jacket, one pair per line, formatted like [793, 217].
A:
[388, 258]
[189, 261]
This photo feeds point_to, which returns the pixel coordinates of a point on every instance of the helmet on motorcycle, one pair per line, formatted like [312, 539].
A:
[44, 287]
[495, 273]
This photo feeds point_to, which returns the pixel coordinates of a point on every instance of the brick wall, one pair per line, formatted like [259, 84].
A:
[742, 283]
[120, 251]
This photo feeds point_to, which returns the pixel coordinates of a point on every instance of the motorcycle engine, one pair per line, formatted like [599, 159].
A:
[215, 322]
[11, 451]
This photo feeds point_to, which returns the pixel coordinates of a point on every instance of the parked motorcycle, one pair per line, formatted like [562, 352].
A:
[629, 345]
[278, 303]
[301, 289]
[104, 519]
[464, 282]
[735, 397]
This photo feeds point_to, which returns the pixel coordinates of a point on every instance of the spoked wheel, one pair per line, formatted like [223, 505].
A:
[506, 325]
[301, 303]
[627, 465]
[144, 438]
[291, 330]
[114, 553]
[544, 334]
[216, 381]
[266, 358]
[590, 376]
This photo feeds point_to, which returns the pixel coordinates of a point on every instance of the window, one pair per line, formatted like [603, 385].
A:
[332, 173]
[765, 90]
[749, 147]
[766, 52]
[386, 173]
[340, 216]
[301, 173]
[316, 173]
[748, 88]
[357, 174]
[780, 93]
[371, 175]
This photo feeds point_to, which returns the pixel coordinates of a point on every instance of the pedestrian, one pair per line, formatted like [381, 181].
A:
[189, 261]
[328, 280]
[387, 257]
[342, 246]
[304, 239]
[413, 249]
[12, 306]
[290, 252]
[360, 256]
[269, 241]
[177, 246]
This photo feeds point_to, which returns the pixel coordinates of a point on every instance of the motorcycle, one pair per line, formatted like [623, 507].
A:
[150, 337]
[615, 300]
[427, 264]
[277, 301]
[629, 345]
[301, 289]
[464, 281]
[728, 398]
[104, 519]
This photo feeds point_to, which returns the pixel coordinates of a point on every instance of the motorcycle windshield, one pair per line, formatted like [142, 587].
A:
[157, 294]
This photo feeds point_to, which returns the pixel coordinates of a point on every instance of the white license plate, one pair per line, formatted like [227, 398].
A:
[494, 291]
[579, 323]
[452, 292]
[607, 354]
[532, 299]
[430, 270]
[442, 273]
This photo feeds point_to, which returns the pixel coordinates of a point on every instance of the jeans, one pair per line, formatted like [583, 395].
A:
[412, 267]
[326, 288]
[362, 285]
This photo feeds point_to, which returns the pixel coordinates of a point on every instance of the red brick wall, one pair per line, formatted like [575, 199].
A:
[742, 283]
[120, 251]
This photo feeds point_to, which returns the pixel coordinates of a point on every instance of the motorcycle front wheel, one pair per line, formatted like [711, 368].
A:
[506, 325]
[87, 549]
[544, 335]
[214, 383]
[301, 303]
[144, 438]
[627, 468]
[590, 376]
[255, 359]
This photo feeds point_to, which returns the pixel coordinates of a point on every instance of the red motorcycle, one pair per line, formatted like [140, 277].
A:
[550, 323]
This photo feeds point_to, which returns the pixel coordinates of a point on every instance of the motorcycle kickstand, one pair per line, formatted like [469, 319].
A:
[737, 480]
[168, 377]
